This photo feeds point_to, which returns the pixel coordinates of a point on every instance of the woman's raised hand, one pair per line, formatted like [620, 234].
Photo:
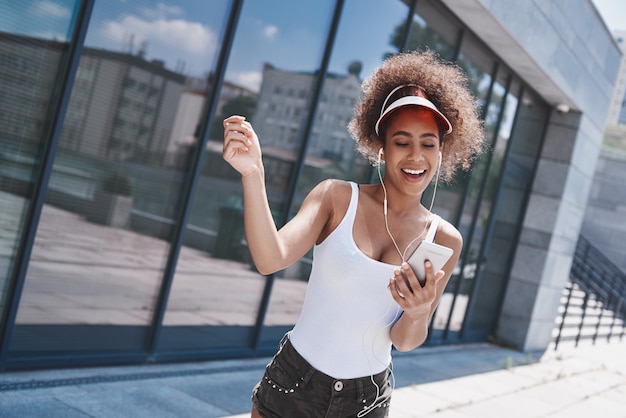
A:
[241, 145]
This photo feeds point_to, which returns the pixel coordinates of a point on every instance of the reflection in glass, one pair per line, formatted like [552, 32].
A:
[433, 28]
[115, 191]
[505, 105]
[331, 150]
[350, 63]
[479, 195]
[521, 131]
[33, 49]
[271, 71]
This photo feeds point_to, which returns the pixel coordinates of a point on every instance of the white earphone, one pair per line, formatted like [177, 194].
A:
[432, 201]
[380, 177]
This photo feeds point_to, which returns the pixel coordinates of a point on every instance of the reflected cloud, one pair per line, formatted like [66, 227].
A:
[161, 11]
[266, 30]
[249, 79]
[270, 31]
[49, 8]
[192, 37]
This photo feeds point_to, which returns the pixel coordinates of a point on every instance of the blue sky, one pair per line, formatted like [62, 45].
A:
[186, 33]
[613, 12]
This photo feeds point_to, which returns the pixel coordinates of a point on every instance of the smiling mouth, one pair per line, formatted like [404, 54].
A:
[413, 172]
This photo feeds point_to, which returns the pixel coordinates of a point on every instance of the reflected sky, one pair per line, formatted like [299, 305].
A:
[47, 19]
[185, 34]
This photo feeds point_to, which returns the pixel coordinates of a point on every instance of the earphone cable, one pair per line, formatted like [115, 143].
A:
[378, 400]
[382, 183]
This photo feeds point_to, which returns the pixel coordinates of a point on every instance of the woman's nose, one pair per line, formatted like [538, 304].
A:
[415, 154]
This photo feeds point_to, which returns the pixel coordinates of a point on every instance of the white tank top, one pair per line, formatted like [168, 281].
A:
[343, 329]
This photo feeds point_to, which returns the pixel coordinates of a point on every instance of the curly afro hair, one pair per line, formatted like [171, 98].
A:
[446, 86]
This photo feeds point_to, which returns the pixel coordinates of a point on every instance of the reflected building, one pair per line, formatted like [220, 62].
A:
[284, 101]
[24, 86]
[189, 110]
[283, 107]
[127, 114]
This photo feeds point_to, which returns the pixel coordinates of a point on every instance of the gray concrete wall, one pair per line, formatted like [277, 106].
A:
[572, 45]
[605, 218]
[564, 51]
[555, 210]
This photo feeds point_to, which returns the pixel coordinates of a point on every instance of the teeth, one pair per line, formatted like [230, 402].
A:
[409, 171]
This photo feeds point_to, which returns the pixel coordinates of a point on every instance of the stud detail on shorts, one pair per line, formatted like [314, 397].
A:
[274, 386]
[338, 385]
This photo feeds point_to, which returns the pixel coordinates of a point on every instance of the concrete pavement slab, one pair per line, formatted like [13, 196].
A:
[444, 382]
[139, 399]
[515, 405]
[595, 407]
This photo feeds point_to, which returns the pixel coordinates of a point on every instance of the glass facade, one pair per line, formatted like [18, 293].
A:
[122, 236]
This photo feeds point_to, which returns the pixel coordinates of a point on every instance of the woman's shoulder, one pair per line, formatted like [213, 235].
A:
[332, 196]
[330, 188]
[448, 235]
[334, 199]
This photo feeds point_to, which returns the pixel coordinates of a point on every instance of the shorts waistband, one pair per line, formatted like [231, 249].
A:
[306, 369]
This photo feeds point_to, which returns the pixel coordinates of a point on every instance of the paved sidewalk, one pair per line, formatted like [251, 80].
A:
[581, 382]
[446, 382]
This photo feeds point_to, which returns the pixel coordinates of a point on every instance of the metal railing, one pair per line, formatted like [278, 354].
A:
[594, 299]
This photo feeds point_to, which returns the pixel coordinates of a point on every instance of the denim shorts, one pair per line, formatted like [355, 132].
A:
[291, 388]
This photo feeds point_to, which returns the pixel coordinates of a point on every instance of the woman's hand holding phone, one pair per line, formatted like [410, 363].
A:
[413, 286]
[437, 254]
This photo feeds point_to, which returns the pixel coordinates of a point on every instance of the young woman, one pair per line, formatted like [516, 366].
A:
[417, 116]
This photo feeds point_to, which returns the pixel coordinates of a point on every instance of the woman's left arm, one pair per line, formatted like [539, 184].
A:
[419, 303]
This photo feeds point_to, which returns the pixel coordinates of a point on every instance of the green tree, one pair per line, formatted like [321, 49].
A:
[239, 105]
[422, 37]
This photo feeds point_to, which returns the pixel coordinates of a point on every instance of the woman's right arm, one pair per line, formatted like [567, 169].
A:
[271, 250]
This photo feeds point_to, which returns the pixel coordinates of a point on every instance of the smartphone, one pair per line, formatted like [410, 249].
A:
[437, 254]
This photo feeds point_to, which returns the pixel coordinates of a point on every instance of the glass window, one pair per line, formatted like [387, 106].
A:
[271, 71]
[115, 192]
[521, 131]
[358, 50]
[33, 52]
[462, 200]
[481, 198]
[433, 28]
[479, 65]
